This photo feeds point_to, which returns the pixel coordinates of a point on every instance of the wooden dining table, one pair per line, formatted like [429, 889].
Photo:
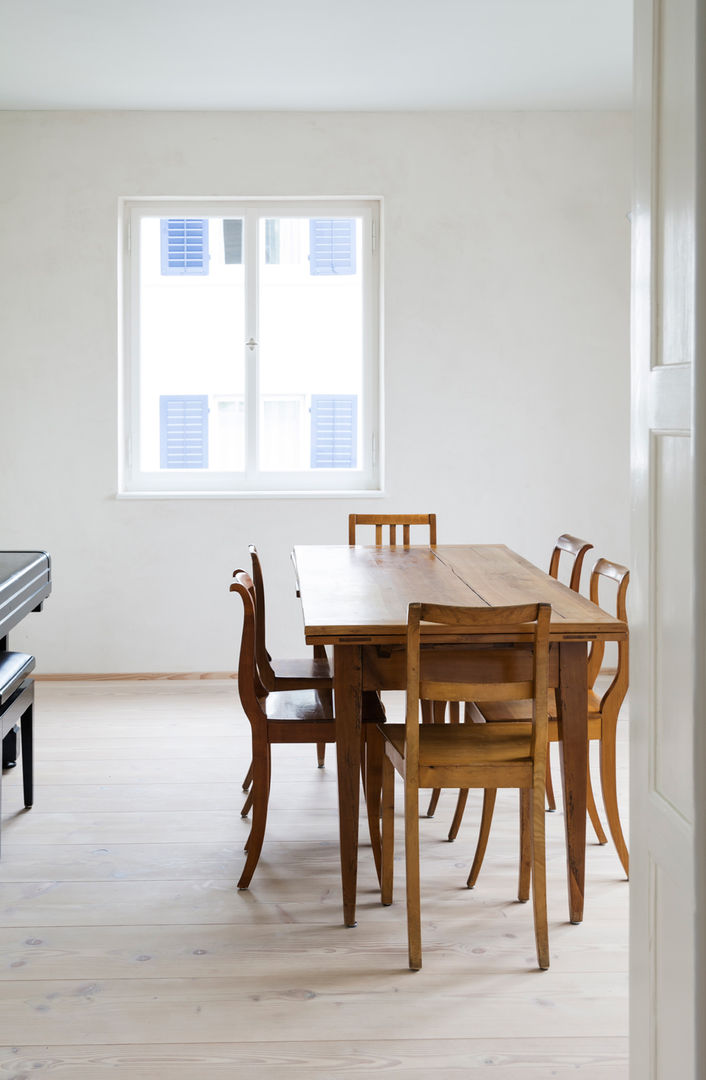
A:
[355, 599]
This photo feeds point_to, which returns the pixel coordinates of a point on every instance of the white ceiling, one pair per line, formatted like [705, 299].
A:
[315, 54]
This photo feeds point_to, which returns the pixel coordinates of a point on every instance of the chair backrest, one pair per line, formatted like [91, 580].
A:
[262, 657]
[250, 688]
[620, 575]
[391, 521]
[577, 549]
[431, 678]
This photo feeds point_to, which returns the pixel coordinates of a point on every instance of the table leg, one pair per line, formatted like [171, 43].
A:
[347, 686]
[572, 710]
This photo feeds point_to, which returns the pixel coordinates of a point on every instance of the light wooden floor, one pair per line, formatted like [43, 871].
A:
[127, 952]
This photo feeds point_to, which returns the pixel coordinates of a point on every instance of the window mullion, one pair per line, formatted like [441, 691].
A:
[252, 350]
[134, 358]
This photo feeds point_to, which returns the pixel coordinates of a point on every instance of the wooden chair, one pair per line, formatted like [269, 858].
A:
[470, 755]
[602, 720]
[278, 675]
[16, 707]
[391, 522]
[283, 716]
[431, 714]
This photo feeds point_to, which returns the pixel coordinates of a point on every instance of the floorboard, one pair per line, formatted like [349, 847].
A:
[127, 951]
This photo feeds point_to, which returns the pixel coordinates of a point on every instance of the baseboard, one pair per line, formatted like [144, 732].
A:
[174, 676]
[123, 676]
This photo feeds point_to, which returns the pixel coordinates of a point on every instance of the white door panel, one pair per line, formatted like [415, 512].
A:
[664, 806]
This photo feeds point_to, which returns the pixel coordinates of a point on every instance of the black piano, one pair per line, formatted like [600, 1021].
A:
[25, 583]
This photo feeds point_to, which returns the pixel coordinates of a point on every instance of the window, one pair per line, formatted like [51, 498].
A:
[251, 338]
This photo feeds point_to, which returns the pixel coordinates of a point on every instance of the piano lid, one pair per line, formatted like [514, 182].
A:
[25, 581]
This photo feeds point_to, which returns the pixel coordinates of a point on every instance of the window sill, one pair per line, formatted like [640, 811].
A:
[366, 493]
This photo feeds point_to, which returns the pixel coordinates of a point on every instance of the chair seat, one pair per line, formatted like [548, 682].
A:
[297, 705]
[306, 671]
[465, 744]
[316, 706]
[14, 668]
[521, 711]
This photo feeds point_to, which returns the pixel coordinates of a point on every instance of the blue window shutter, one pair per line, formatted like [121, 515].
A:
[331, 246]
[233, 240]
[183, 431]
[184, 245]
[334, 431]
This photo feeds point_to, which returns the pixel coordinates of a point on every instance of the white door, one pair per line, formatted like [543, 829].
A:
[666, 805]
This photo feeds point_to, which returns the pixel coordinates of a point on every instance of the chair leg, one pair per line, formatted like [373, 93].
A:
[551, 801]
[429, 717]
[373, 774]
[27, 742]
[261, 792]
[610, 791]
[438, 717]
[388, 830]
[539, 876]
[320, 754]
[458, 813]
[411, 850]
[523, 885]
[592, 810]
[247, 805]
[248, 778]
[486, 819]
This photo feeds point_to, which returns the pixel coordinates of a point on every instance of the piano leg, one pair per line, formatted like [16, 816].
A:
[9, 749]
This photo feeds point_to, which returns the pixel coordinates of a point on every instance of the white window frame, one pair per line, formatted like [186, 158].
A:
[367, 479]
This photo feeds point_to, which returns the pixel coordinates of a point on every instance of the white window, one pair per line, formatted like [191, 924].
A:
[251, 346]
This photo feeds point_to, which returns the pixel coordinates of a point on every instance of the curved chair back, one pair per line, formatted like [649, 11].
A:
[577, 549]
[620, 575]
[250, 688]
[262, 656]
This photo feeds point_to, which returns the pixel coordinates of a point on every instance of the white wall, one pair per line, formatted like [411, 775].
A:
[506, 251]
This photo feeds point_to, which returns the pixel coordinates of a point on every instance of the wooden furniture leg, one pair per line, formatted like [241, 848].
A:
[572, 714]
[438, 712]
[458, 813]
[551, 801]
[610, 793]
[373, 749]
[525, 875]
[593, 811]
[387, 825]
[484, 832]
[347, 688]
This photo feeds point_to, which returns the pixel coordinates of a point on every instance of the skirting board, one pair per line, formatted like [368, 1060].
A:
[135, 675]
[173, 675]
